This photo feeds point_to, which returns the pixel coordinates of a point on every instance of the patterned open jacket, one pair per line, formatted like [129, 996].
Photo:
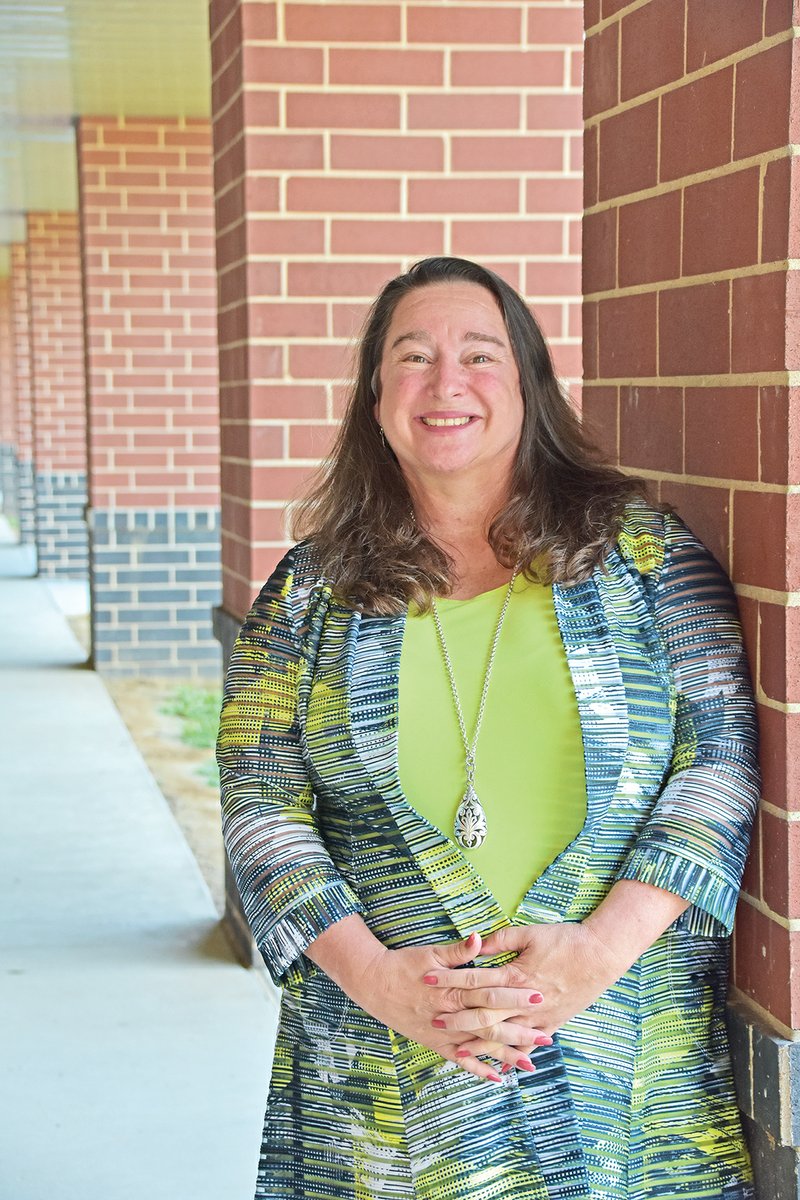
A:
[635, 1097]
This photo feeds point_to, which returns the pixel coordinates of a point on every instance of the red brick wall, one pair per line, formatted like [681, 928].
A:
[8, 416]
[21, 345]
[58, 392]
[147, 218]
[22, 386]
[350, 140]
[690, 335]
[147, 228]
[56, 330]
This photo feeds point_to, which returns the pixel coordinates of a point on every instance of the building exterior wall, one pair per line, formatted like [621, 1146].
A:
[9, 450]
[690, 342]
[150, 304]
[21, 348]
[351, 140]
[58, 393]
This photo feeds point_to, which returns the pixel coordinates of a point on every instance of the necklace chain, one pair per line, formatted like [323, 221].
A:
[470, 823]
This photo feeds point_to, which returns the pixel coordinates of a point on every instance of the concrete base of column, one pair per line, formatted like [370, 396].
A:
[155, 575]
[767, 1070]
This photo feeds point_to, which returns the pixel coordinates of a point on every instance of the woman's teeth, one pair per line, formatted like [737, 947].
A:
[436, 421]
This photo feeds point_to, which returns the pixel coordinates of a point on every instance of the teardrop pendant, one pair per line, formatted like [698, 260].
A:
[470, 822]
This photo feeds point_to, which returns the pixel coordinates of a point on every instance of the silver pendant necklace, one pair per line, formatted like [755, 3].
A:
[469, 828]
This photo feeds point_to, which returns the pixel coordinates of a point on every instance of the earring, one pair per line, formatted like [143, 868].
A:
[383, 436]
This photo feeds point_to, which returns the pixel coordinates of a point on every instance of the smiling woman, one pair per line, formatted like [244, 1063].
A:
[449, 402]
[552, 502]
[492, 713]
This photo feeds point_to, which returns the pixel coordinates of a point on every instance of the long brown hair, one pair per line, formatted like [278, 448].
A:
[565, 505]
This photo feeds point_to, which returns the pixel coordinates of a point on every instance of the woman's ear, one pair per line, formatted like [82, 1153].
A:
[375, 387]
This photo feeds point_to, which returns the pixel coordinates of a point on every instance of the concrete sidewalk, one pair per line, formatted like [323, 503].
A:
[134, 1053]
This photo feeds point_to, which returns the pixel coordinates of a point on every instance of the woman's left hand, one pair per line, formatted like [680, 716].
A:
[571, 964]
[567, 963]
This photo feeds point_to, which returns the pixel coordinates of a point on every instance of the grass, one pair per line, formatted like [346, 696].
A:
[198, 709]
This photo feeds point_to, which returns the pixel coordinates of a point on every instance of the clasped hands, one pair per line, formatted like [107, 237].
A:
[503, 1012]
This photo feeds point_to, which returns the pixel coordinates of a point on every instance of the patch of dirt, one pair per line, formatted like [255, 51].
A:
[175, 765]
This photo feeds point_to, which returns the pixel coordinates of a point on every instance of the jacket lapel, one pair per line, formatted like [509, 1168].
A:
[373, 677]
[602, 711]
[599, 689]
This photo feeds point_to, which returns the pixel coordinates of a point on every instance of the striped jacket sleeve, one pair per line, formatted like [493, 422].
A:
[290, 889]
[695, 840]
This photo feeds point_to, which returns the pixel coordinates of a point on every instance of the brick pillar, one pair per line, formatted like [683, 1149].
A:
[349, 141]
[150, 303]
[8, 414]
[58, 390]
[690, 335]
[20, 332]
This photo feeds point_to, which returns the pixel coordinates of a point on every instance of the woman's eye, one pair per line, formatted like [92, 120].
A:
[416, 358]
[480, 358]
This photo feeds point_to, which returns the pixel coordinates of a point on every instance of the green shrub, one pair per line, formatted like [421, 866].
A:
[198, 708]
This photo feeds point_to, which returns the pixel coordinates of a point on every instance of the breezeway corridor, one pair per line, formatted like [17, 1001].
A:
[134, 1051]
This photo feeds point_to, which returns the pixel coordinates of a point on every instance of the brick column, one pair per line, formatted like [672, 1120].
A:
[58, 391]
[8, 414]
[20, 332]
[150, 304]
[690, 334]
[349, 141]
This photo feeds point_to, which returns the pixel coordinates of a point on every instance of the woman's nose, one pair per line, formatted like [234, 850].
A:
[448, 377]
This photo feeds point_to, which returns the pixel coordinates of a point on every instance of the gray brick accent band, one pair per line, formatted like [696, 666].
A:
[767, 1070]
[26, 501]
[62, 546]
[155, 578]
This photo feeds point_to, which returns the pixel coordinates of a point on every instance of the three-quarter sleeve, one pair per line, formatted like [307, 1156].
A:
[291, 890]
[695, 840]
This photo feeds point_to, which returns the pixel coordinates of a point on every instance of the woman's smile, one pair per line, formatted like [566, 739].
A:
[447, 420]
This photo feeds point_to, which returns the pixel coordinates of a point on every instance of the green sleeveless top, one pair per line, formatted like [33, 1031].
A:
[530, 770]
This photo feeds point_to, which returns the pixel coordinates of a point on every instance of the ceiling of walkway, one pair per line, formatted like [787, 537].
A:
[63, 58]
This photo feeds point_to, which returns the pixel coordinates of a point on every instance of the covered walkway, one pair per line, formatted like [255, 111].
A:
[134, 1052]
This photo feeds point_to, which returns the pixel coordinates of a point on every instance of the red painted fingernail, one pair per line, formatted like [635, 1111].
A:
[437, 1024]
[430, 979]
[495, 1078]
[506, 1067]
[462, 1053]
[536, 998]
[542, 1041]
[526, 1064]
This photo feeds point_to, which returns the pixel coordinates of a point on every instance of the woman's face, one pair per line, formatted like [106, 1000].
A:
[450, 401]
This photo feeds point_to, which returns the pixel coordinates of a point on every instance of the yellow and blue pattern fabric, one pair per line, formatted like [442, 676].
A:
[635, 1099]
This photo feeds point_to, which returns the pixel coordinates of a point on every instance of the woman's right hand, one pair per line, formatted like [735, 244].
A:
[391, 988]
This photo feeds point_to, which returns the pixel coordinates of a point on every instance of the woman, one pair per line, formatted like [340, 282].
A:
[493, 713]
